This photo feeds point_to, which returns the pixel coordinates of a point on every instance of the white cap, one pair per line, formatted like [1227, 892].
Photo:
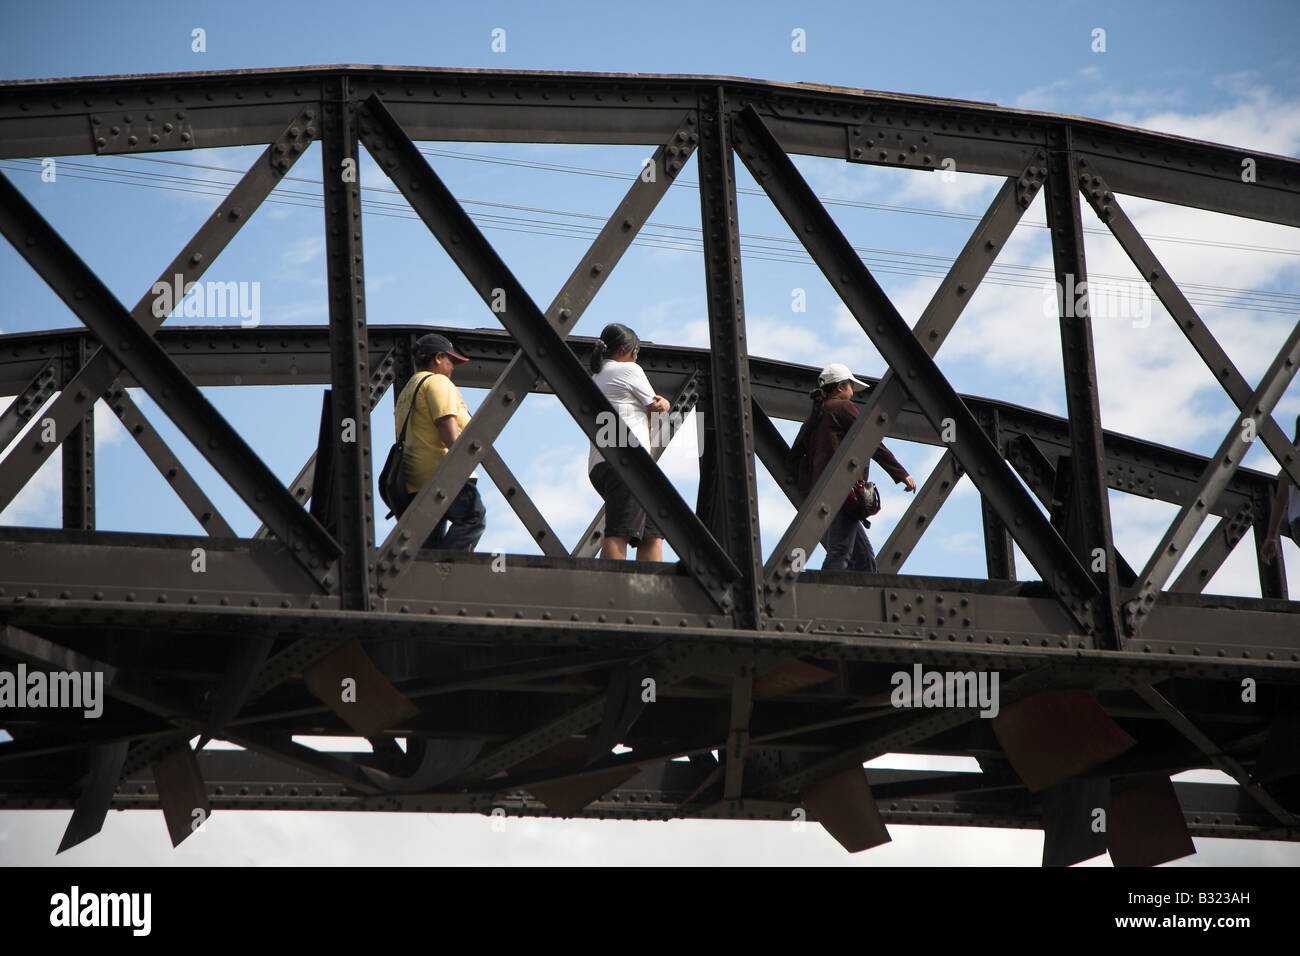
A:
[835, 372]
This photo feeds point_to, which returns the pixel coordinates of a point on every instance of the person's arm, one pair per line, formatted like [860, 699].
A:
[886, 460]
[638, 384]
[448, 429]
[1268, 551]
[442, 401]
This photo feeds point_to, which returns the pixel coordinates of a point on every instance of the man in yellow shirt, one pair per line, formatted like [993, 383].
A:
[438, 415]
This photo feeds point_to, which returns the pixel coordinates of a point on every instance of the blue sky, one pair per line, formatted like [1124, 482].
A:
[1189, 69]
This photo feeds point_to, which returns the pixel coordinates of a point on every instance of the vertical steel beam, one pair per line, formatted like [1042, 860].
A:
[380, 379]
[349, 354]
[1272, 574]
[729, 389]
[79, 455]
[999, 547]
[1089, 497]
[738, 736]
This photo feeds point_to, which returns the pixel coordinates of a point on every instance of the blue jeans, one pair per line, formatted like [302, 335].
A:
[847, 546]
[467, 518]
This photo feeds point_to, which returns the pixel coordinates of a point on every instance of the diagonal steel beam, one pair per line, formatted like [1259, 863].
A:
[135, 349]
[1108, 210]
[920, 514]
[1213, 551]
[99, 373]
[520, 376]
[513, 491]
[546, 351]
[910, 354]
[1038, 472]
[666, 669]
[27, 402]
[908, 731]
[1218, 472]
[1220, 758]
[168, 465]
[771, 449]
[512, 386]
[1090, 534]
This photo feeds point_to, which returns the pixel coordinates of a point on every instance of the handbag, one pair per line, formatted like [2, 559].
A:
[392, 478]
[863, 501]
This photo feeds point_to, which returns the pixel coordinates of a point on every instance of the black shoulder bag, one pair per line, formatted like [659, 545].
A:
[863, 502]
[392, 479]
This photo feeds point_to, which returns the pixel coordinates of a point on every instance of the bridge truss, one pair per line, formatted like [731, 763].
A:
[737, 687]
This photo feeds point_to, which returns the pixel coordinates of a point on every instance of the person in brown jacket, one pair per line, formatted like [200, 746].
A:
[832, 414]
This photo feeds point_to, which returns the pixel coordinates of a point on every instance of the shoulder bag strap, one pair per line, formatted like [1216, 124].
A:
[401, 439]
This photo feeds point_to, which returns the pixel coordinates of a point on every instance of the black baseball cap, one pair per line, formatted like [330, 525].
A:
[427, 346]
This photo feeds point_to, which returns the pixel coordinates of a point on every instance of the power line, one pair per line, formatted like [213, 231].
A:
[757, 246]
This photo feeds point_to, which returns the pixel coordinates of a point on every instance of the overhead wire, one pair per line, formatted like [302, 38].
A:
[667, 236]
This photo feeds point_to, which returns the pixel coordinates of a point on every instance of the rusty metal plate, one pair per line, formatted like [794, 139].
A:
[181, 792]
[843, 804]
[1146, 825]
[1057, 734]
[370, 704]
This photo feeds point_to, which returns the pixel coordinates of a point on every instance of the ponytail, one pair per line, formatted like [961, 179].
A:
[615, 340]
[819, 396]
[598, 354]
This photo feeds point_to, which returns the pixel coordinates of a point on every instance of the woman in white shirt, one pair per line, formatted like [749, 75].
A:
[624, 383]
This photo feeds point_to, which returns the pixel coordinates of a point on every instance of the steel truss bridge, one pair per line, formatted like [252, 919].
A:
[738, 688]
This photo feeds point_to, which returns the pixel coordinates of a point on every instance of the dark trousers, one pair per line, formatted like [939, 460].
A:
[463, 524]
[847, 546]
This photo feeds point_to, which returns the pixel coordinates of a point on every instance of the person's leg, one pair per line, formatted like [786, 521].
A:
[864, 556]
[468, 518]
[651, 545]
[623, 516]
[651, 549]
[436, 535]
[838, 542]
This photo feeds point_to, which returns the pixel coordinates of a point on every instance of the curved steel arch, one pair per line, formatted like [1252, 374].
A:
[784, 672]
